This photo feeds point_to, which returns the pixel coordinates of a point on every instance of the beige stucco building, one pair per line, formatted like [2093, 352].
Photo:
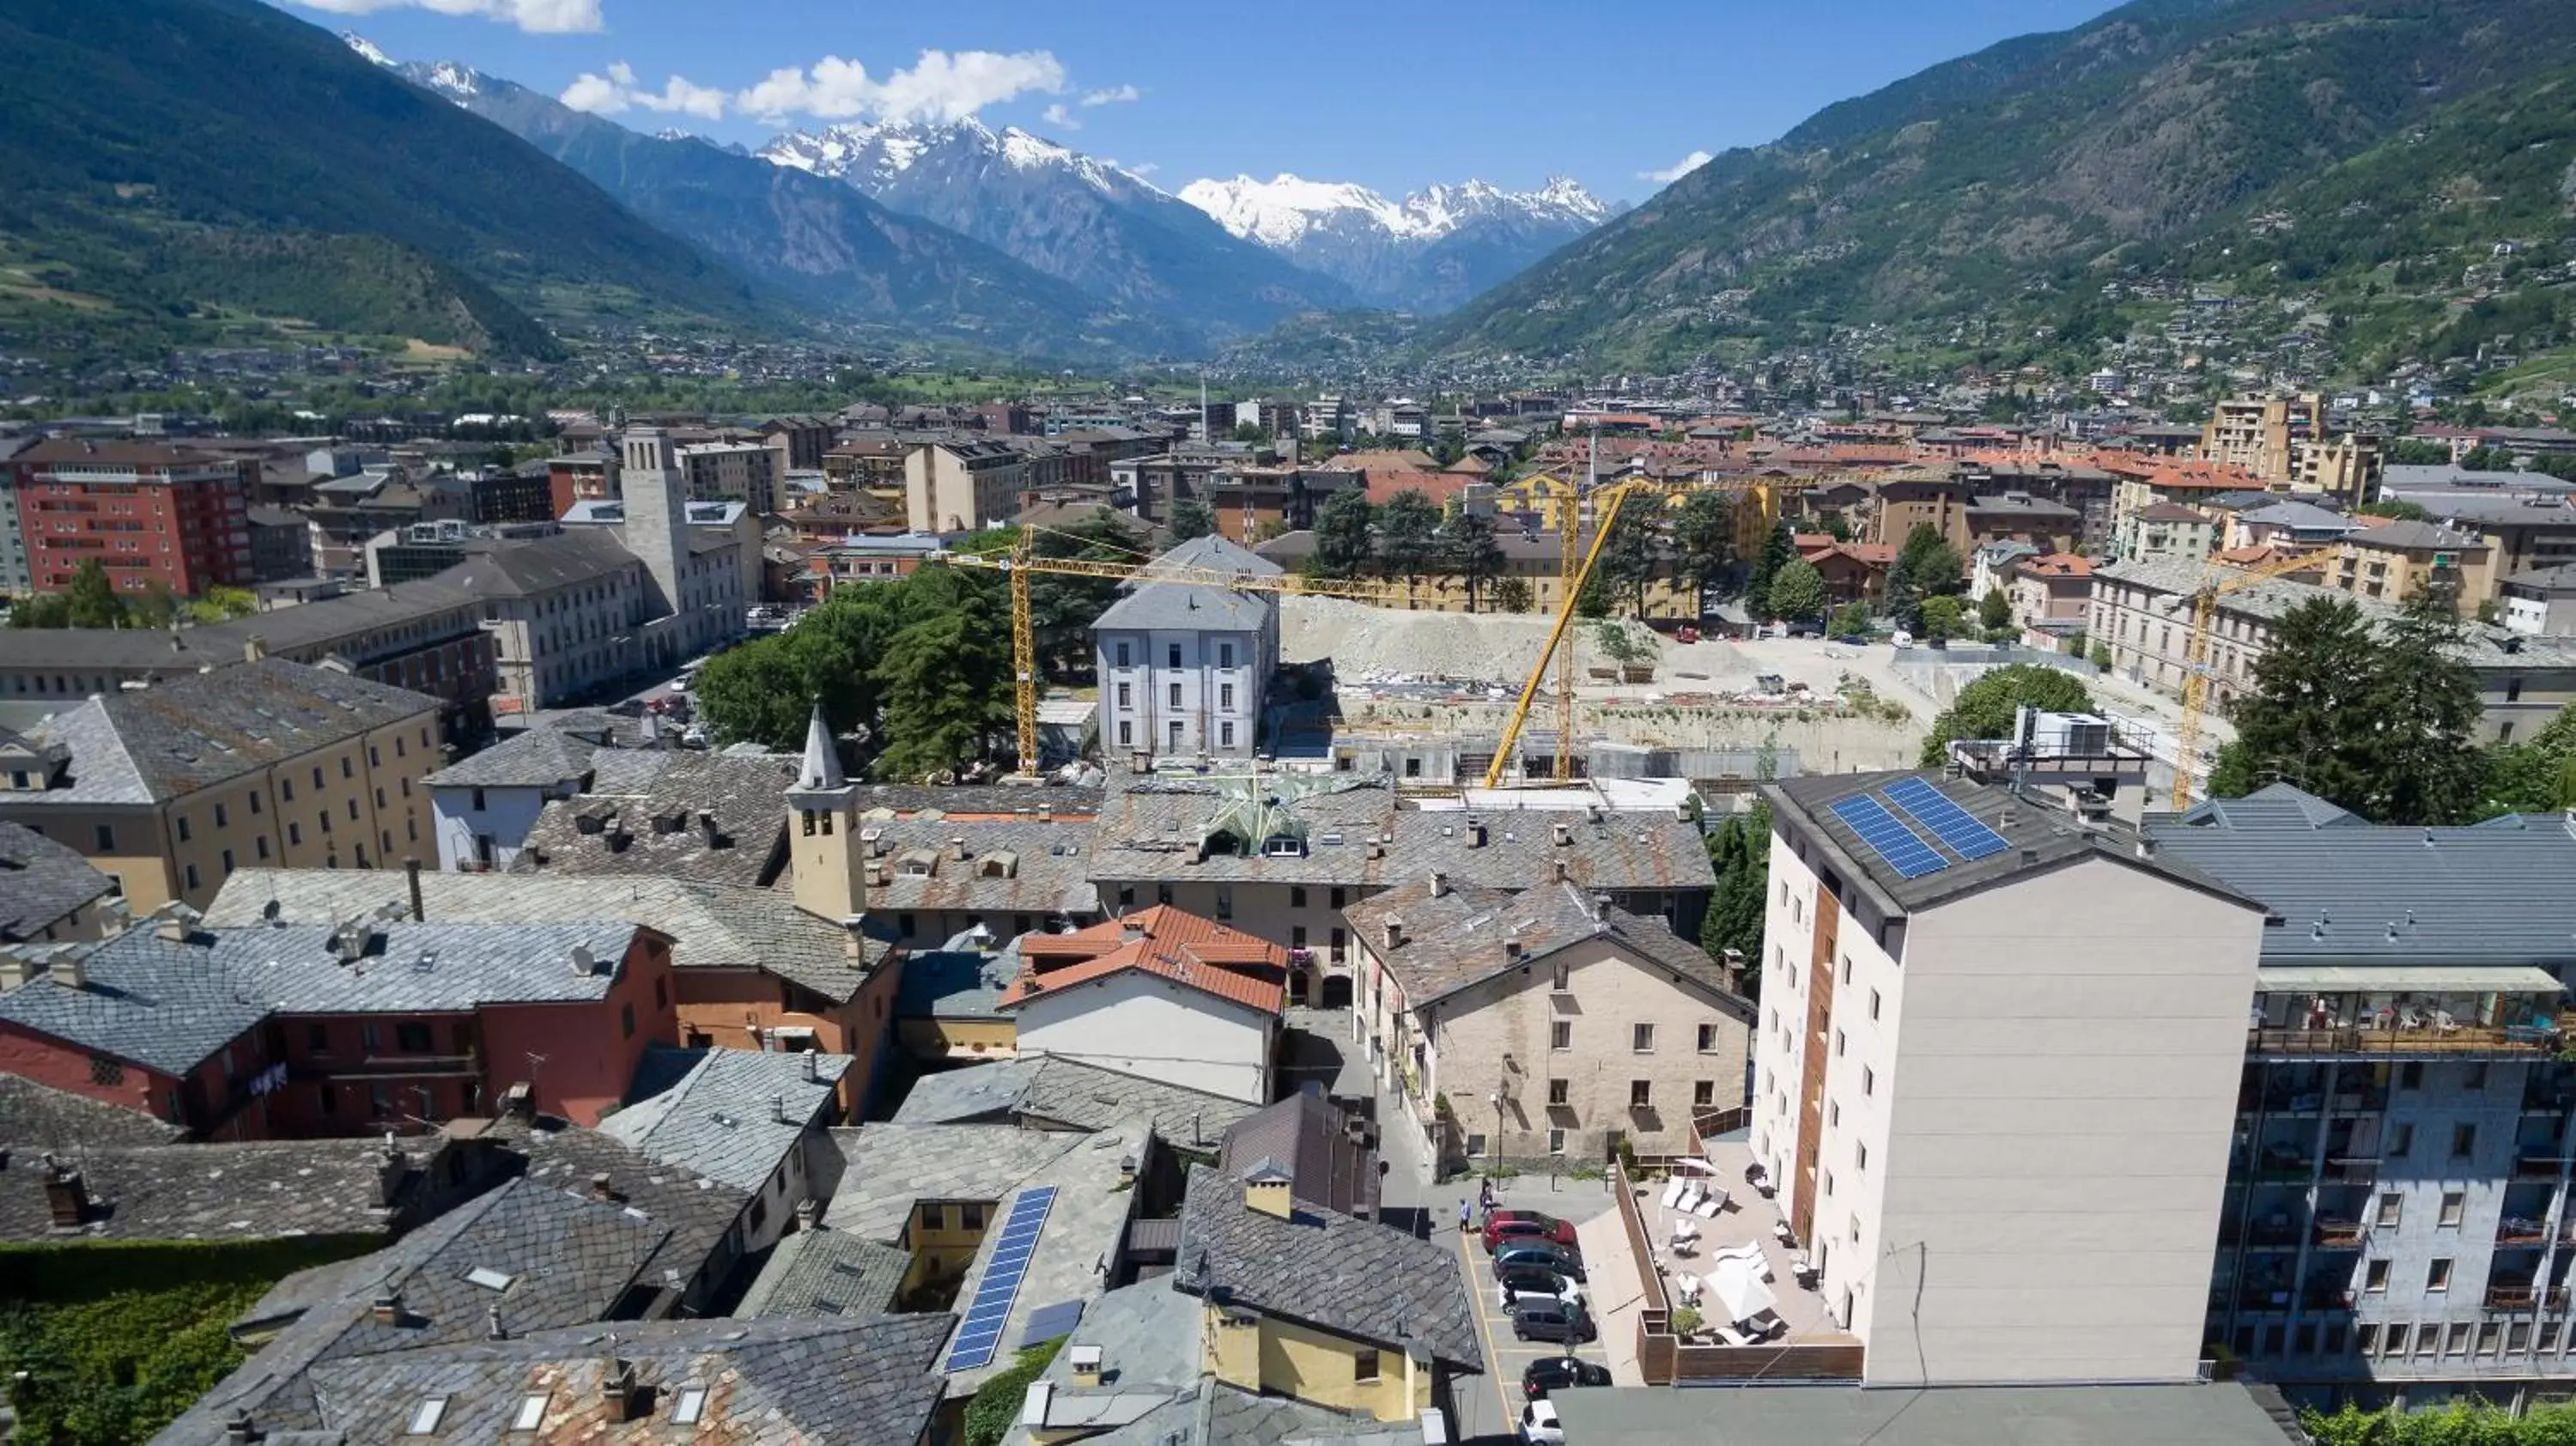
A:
[962, 486]
[1549, 1025]
[1995, 1079]
[169, 789]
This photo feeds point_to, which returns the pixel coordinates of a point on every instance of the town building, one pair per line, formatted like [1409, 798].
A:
[2052, 593]
[276, 1031]
[744, 472]
[1185, 668]
[2167, 531]
[752, 1120]
[932, 879]
[2392, 561]
[707, 818]
[1994, 1079]
[48, 892]
[153, 514]
[482, 808]
[169, 789]
[1157, 992]
[2288, 523]
[2541, 601]
[956, 486]
[703, 573]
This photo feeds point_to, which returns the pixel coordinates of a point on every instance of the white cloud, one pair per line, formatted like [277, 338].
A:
[1677, 169]
[537, 17]
[619, 90]
[1114, 95]
[939, 86]
[1056, 115]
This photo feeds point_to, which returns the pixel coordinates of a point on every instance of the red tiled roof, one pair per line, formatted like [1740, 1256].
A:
[2058, 564]
[1163, 941]
[1439, 487]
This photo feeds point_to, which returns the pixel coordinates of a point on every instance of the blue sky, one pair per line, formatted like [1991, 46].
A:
[1392, 96]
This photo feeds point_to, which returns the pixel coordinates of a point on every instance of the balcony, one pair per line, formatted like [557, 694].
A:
[2340, 1234]
[2535, 1167]
[2352, 1169]
[2524, 1297]
[2426, 1013]
[392, 1066]
[2522, 1230]
[2401, 1042]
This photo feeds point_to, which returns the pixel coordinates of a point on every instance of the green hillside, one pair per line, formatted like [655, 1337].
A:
[171, 158]
[2152, 143]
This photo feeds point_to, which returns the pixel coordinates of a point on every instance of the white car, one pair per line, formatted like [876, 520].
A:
[1538, 1425]
[1565, 1290]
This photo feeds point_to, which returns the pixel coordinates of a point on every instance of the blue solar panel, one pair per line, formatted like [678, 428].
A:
[1903, 848]
[1949, 823]
[980, 1336]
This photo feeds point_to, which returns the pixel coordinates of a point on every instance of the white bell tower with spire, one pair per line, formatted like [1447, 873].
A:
[829, 861]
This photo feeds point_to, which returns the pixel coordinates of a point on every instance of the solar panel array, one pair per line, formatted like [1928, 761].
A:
[1051, 1322]
[980, 1337]
[1903, 848]
[1949, 823]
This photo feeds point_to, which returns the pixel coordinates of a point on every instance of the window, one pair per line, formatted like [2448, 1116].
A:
[1560, 1092]
[1176, 735]
[1340, 897]
[626, 1020]
[1176, 695]
[1641, 1094]
[327, 1095]
[1125, 659]
[426, 1416]
[1174, 654]
[2477, 1075]
[1225, 655]
[970, 1217]
[1126, 695]
[317, 1038]
[1297, 896]
[254, 805]
[286, 789]
[2410, 1075]
[1642, 1039]
[1873, 1004]
[531, 1413]
[2391, 1206]
[1708, 1039]
[412, 1038]
[2464, 1141]
[2459, 1342]
[105, 837]
[1838, 1044]
[934, 1217]
[1475, 1144]
[346, 771]
[1560, 1034]
[1126, 735]
[374, 759]
[1703, 1094]
[223, 817]
[1224, 902]
[353, 810]
[2397, 1340]
[2375, 1278]
[2401, 1140]
[1868, 1081]
[1225, 695]
[190, 873]
[691, 1407]
[1363, 1366]
[2437, 1275]
[1225, 735]
[2454, 1204]
[295, 835]
[105, 1071]
[182, 821]
[1833, 1114]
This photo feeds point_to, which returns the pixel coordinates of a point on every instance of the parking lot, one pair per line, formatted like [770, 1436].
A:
[1489, 1408]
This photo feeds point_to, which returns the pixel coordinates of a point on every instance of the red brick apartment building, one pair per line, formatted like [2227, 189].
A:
[146, 511]
[296, 1033]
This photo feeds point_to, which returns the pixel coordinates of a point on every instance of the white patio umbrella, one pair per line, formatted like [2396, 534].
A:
[1738, 1286]
[1692, 1165]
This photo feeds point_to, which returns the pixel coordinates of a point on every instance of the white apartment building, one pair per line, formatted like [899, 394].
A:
[745, 472]
[1185, 668]
[1995, 1076]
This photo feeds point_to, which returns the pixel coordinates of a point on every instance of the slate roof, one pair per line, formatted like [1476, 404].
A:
[1148, 604]
[1052, 1090]
[2039, 840]
[1307, 1136]
[1018, 867]
[36, 1117]
[956, 982]
[214, 1192]
[41, 883]
[643, 814]
[697, 1210]
[544, 564]
[825, 1273]
[1352, 1277]
[538, 758]
[769, 1382]
[713, 926]
[2559, 579]
[202, 729]
[2304, 516]
[722, 1118]
[1078, 1251]
[2500, 892]
[1455, 940]
[904, 799]
[142, 1000]
[887, 1166]
[2410, 535]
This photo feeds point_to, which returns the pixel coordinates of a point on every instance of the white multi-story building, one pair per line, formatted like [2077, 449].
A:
[1184, 668]
[745, 472]
[1995, 1076]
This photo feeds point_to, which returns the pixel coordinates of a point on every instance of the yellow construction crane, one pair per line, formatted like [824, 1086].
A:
[1022, 562]
[1574, 569]
[2196, 668]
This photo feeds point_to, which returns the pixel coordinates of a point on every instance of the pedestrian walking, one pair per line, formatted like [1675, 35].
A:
[1485, 1197]
[1462, 1217]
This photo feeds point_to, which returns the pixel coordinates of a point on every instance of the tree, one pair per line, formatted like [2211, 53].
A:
[1250, 432]
[1739, 849]
[43, 610]
[1851, 619]
[757, 692]
[946, 676]
[1628, 564]
[1191, 519]
[1994, 611]
[221, 603]
[2098, 653]
[1512, 595]
[2537, 775]
[1342, 546]
[1704, 543]
[1777, 549]
[1987, 707]
[1927, 566]
[2375, 721]
[1798, 592]
[1469, 549]
[1408, 535]
[2397, 507]
[94, 603]
[1942, 618]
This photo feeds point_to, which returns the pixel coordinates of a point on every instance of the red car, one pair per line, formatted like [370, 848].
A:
[1526, 1225]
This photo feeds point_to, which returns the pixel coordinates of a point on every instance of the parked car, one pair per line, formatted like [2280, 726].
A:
[1537, 1318]
[1505, 1225]
[1556, 1373]
[1546, 1257]
[1538, 1425]
[1514, 1282]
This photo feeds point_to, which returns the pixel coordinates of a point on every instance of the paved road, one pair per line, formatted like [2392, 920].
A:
[1488, 1406]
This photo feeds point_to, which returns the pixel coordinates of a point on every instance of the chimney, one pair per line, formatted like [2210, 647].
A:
[171, 930]
[391, 1170]
[1046, 813]
[1394, 932]
[1512, 944]
[1439, 884]
[239, 1430]
[602, 1191]
[388, 1308]
[583, 961]
[1126, 1171]
[2146, 845]
[813, 1071]
[411, 871]
[254, 648]
[1564, 833]
[71, 970]
[66, 1194]
[1475, 833]
[519, 1100]
[1086, 1364]
[620, 1399]
[1266, 1190]
[778, 1108]
[14, 971]
[809, 1213]
[957, 849]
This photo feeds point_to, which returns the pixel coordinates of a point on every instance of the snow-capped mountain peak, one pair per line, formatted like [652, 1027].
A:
[873, 157]
[1282, 211]
[366, 49]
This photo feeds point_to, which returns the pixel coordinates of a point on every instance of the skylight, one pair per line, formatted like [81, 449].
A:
[488, 1278]
[532, 1414]
[426, 1416]
[692, 1405]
